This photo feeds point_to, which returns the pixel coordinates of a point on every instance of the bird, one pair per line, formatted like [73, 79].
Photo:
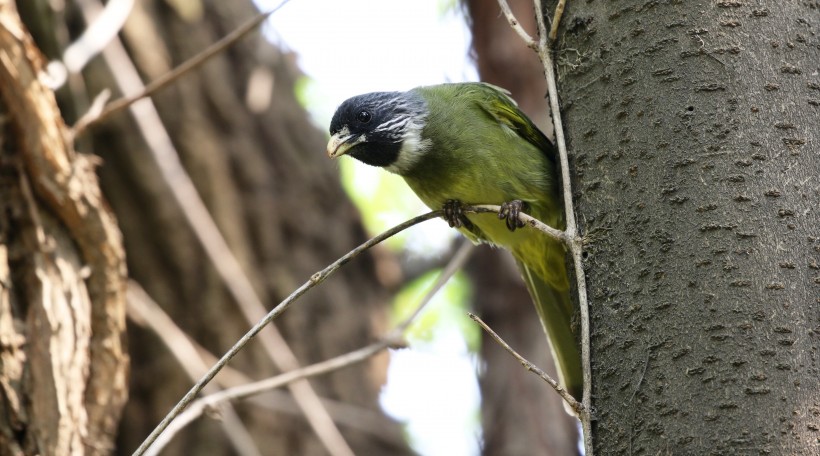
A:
[459, 144]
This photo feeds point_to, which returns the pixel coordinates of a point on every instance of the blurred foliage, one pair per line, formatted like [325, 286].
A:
[447, 309]
[383, 199]
[446, 6]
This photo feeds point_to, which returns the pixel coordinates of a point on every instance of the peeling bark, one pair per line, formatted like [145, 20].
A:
[63, 312]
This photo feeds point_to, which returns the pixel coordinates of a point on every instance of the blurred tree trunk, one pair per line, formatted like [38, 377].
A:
[261, 169]
[694, 132]
[521, 415]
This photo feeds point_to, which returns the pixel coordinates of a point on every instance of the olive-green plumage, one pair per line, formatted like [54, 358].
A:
[470, 142]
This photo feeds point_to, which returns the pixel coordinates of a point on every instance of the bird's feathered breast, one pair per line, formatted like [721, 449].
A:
[469, 160]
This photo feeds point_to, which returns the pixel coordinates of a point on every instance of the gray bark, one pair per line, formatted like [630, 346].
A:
[693, 128]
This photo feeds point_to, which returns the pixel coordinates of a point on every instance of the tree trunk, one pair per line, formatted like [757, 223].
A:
[62, 270]
[261, 169]
[693, 131]
[521, 415]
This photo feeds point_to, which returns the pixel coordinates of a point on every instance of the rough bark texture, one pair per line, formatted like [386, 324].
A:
[62, 306]
[277, 200]
[694, 131]
[521, 415]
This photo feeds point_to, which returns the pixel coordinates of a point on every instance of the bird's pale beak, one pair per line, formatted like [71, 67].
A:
[340, 143]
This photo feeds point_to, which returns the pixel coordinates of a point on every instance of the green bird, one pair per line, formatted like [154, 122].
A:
[468, 143]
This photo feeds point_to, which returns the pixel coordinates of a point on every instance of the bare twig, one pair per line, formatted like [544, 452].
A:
[575, 405]
[526, 218]
[144, 309]
[576, 246]
[198, 407]
[171, 76]
[453, 265]
[575, 241]
[314, 280]
[392, 339]
[556, 19]
[505, 8]
[147, 314]
[542, 26]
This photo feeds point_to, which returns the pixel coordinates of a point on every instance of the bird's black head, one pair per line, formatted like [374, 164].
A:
[379, 129]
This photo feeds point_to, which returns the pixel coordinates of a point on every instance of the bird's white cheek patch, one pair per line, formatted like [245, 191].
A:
[413, 148]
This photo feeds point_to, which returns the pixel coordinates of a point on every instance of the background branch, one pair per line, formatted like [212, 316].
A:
[393, 339]
[171, 76]
[144, 309]
[314, 280]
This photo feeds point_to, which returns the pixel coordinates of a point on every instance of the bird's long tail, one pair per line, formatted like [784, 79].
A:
[555, 310]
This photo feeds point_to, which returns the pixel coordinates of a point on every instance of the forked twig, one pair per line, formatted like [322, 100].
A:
[200, 406]
[314, 280]
[393, 338]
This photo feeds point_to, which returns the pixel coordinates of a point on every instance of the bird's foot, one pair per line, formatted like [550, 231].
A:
[454, 215]
[510, 211]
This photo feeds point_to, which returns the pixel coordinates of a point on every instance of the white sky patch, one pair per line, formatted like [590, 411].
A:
[350, 47]
[434, 390]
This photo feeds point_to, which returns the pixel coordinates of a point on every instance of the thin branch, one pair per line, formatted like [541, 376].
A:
[575, 241]
[142, 308]
[348, 415]
[314, 280]
[575, 405]
[576, 246]
[558, 235]
[542, 27]
[453, 265]
[505, 8]
[198, 407]
[171, 76]
[392, 339]
[556, 19]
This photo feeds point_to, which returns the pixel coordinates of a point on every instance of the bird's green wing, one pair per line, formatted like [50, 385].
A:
[497, 102]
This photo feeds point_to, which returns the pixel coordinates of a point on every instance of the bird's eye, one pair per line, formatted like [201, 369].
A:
[363, 116]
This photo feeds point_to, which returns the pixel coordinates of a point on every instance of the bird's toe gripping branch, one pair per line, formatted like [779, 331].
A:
[454, 215]
[510, 211]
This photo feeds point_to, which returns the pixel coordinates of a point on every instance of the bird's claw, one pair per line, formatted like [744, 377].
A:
[454, 215]
[510, 211]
